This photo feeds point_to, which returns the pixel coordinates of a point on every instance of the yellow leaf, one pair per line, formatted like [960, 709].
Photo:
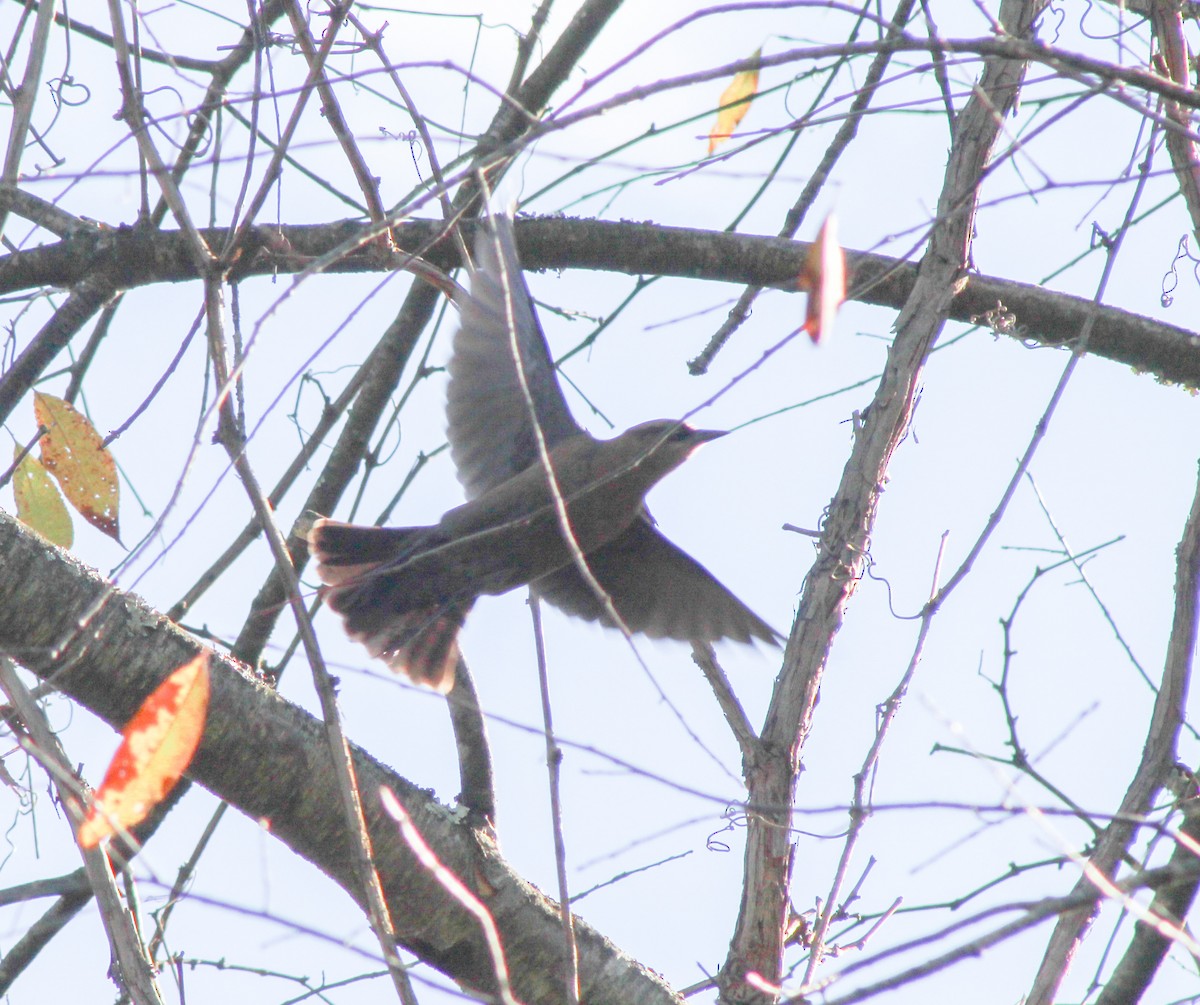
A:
[72, 452]
[39, 503]
[734, 103]
[824, 277]
[158, 745]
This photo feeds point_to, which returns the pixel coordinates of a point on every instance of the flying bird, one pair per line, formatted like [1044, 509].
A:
[404, 592]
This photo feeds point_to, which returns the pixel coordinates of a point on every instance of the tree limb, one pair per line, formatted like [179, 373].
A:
[108, 650]
[1028, 312]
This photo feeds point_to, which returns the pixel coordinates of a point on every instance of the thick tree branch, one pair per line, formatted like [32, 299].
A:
[108, 650]
[1031, 313]
[758, 941]
[1142, 959]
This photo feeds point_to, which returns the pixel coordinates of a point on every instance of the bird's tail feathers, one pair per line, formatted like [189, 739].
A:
[347, 552]
[421, 644]
[352, 561]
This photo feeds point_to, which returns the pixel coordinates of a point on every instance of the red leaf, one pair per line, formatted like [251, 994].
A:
[824, 277]
[159, 743]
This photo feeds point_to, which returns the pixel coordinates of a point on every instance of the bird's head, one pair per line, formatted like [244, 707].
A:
[657, 447]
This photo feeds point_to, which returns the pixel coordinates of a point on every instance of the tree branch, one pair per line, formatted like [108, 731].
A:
[1153, 771]
[758, 940]
[108, 650]
[1030, 313]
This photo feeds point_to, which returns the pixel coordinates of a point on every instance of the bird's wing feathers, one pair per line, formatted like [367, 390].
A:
[490, 429]
[657, 589]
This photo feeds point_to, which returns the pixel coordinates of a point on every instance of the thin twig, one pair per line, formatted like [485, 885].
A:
[24, 98]
[476, 776]
[331, 111]
[554, 758]
[453, 886]
[182, 878]
[739, 723]
[859, 803]
[232, 438]
[272, 172]
[132, 970]
[134, 115]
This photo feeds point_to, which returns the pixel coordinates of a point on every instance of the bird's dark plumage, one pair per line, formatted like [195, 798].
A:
[405, 592]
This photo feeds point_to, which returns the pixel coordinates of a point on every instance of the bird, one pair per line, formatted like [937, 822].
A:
[543, 496]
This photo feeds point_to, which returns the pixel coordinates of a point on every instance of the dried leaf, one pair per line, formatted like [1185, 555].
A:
[72, 452]
[39, 503]
[824, 277]
[734, 103]
[158, 745]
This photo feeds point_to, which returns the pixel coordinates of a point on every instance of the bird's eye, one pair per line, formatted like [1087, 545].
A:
[681, 433]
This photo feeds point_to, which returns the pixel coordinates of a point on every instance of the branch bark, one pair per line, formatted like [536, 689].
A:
[1033, 314]
[758, 939]
[1142, 959]
[107, 650]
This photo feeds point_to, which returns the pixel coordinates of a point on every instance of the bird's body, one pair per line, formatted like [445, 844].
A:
[510, 535]
[404, 592]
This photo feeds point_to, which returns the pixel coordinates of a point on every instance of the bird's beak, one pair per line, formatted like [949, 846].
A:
[705, 435]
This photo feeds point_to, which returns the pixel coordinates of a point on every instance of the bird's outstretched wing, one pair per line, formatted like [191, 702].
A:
[657, 589]
[490, 427]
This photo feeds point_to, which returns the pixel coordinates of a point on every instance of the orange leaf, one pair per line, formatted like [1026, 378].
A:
[824, 277]
[734, 103]
[39, 503]
[72, 452]
[158, 746]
